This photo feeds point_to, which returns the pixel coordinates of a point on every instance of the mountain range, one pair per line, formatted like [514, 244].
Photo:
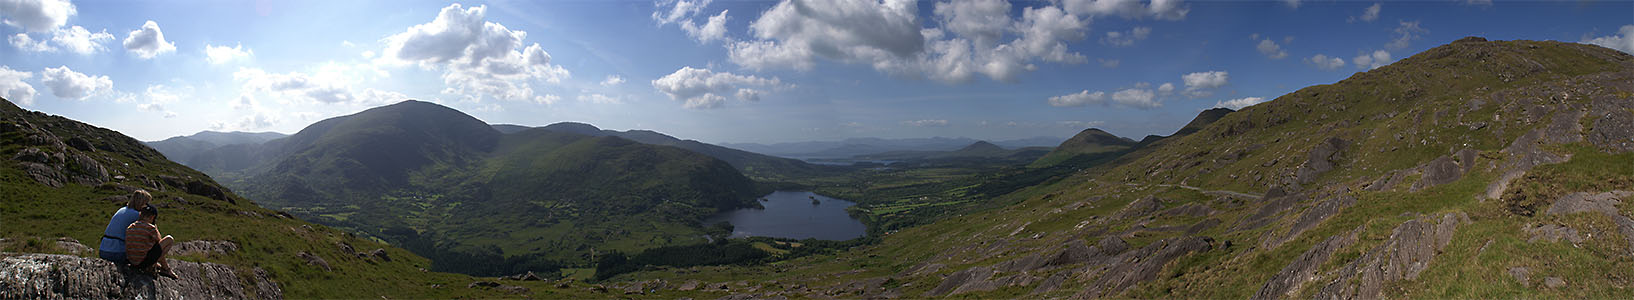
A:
[852, 147]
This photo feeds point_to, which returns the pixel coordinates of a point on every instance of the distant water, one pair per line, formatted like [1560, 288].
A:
[790, 214]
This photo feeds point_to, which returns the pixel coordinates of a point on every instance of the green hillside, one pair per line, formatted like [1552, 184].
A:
[448, 186]
[757, 166]
[62, 179]
[1477, 169]
[1089, 141]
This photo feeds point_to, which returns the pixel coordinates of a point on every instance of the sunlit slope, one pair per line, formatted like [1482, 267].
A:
[63, 178]
[452, 188]
[1474, 169]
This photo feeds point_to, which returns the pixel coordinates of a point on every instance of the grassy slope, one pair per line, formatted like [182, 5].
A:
[35, 215]
[1426, 99]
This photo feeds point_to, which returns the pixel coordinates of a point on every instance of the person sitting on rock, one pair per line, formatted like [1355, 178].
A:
[144, 246]
[112, 246]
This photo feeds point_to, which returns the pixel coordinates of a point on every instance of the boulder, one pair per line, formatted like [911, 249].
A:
[1520, 274]
[199, 187]
[314, 260]
[380, 253]
[1439, 171]
[1554, 282]
[72, 246]
[80, 143]
[1614, 132]
[1604, 203]
[1321, 159]
[49, 276]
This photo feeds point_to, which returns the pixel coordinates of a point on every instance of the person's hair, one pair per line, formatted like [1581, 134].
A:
[149, 212]
[139, 197]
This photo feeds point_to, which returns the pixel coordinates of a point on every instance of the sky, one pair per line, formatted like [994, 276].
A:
[731, 71]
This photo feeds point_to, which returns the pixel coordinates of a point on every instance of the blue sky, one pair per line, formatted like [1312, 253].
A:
[730, 71]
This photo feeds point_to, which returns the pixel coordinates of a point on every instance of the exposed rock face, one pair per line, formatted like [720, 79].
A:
[1402, 257]
[1552, 233]
[204, 248]
[40, 276]
[198, 187]
[1321, 159]
[1303, 268]
[1614, 131]
[1133, 267]
[1139, 208]
[1313, 216]
[1440, 171]
[1605, 203]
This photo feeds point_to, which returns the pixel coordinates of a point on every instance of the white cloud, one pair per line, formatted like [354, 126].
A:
[254, 121]
[1079, 99]
[69, 85]
[1239, 103]
[13, 88]
[547, 99]
[1326, 63]
[1377, 59]
[1130, 9]
[297, 86]
[612, 80]
[78, 40]
[1080, 124]
[1136, 97]
[714, 29]
[600, 99]
[702, 88]
[1166, 89]
[37, 15]
[1405, 34]
[223, 54]
[479, 58]
[982, 21]
[795, 32]
[1623, 41]
[1205, 80]
[1270, 49]
[23, 42]
[1478, 2]
[1109, 63]
[677, 10]
[1125, 39]
[1291, 3]
[682, 12]
[148, 41]
[925, 123]
[1369, 14]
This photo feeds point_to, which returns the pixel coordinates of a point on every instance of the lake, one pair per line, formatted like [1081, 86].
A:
[790, 214]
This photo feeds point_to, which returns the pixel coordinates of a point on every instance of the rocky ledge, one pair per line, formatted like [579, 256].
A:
[51, 276]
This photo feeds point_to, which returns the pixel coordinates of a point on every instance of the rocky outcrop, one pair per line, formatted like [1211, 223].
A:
[1604, 203]
[49, 276]
[1324, 209]
[204, 248]
[314, 260]
[1303, 268]
[1403, 256]
[1321, 159]
[1134, 267]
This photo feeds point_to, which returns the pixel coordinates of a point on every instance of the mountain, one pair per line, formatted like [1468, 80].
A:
[752, 164]
[62, 178]
[1089, 141]
[1475, 169]
[455, 189]
[848, 148]
[976, 154]
[199, 150]
[509, 129]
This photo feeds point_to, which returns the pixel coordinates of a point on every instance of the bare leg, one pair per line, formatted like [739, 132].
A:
[165, 249]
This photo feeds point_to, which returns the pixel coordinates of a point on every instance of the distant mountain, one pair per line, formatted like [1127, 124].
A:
[851, 147]
[976, 153]
[1089, 141]
[449, 186]
[197, 150]
[752, 164]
